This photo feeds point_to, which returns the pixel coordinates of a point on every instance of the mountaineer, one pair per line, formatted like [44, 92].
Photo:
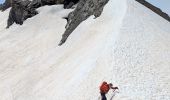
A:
[104, 89]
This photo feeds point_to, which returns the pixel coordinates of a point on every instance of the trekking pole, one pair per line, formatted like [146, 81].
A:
[114, 90]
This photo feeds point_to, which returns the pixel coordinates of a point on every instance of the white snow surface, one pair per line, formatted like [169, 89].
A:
[127, 45]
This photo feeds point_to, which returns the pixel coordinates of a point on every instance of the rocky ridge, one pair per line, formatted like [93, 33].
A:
[154, 9]
[24, 9]
[84, 10]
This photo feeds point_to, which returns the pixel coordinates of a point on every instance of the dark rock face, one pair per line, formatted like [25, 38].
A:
[6, 5]
[154, 9]
[69, 3]
[84, 10]
[39, 3]
[23, 9]
[34, 3]
[20, 12]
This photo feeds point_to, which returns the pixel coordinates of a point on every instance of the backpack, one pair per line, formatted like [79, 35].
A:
[104, 88]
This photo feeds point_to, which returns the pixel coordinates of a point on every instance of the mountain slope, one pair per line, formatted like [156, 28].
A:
[128, 45]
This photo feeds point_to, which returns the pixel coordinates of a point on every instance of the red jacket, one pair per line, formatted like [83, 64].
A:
[104, 88]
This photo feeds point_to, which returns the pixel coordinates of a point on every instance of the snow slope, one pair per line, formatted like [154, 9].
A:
[128, 45]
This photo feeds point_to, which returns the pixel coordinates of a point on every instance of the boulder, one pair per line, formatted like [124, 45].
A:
[20, 12]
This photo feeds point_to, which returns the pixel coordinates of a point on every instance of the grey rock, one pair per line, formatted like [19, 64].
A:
[39, 3]
[20, 12]
[84, 10]
[5, 5]
[69, 3]
[24, 9]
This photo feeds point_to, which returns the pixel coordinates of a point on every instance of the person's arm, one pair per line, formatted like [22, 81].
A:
[114, 88]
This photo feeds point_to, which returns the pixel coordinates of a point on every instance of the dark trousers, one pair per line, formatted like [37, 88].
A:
[103, 96]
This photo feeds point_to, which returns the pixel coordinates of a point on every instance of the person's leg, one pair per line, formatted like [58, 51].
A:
[103, 96]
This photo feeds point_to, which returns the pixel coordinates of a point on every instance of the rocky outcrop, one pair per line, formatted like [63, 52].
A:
[39, 3]
[154, 9]
[84, 10]
[34, 3]
[20, 12]
[6, 5]
[24, 9]
[69, 3]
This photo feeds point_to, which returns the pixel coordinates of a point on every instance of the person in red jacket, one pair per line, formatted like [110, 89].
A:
[104, 89]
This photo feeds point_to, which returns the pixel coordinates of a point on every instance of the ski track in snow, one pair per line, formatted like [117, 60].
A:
[128, 46]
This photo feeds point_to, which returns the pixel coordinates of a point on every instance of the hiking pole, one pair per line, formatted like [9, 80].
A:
[115, 89]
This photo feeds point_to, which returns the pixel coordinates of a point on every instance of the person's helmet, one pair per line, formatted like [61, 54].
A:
[104, 82]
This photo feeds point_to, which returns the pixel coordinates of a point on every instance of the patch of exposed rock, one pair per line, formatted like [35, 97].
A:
[39, 3]
[24, 9]
[84, 10]
[69, 3]
[5, 5]
[20, 12]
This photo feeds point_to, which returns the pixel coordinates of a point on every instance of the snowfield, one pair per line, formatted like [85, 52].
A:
[127, 45]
